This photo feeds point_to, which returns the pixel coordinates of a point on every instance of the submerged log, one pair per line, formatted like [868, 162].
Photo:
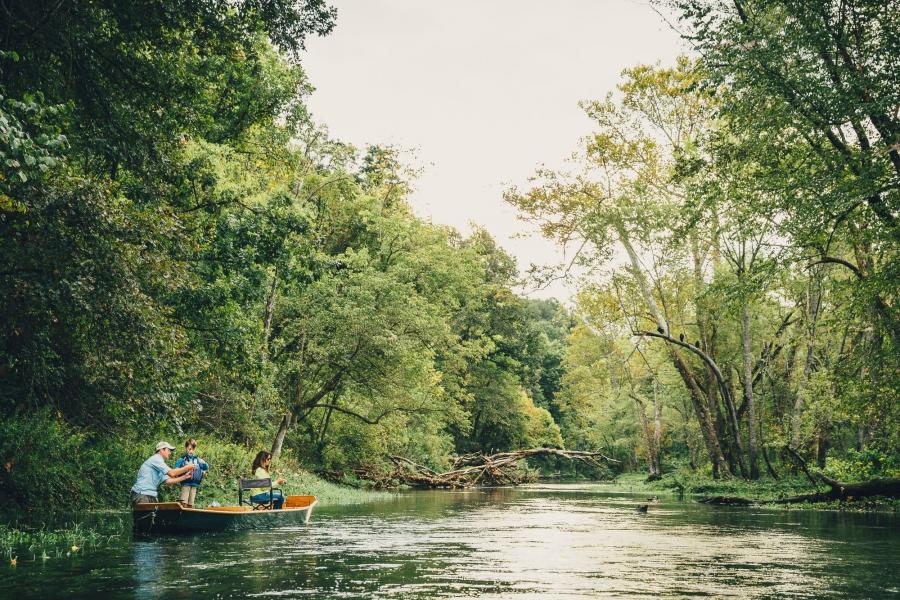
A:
[484, 469]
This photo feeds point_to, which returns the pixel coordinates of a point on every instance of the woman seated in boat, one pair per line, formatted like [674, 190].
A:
[261, 465]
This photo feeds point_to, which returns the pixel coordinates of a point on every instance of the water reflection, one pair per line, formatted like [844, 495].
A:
[148, 569]
[549, 541]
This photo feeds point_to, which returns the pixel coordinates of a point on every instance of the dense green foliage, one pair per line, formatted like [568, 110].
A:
[183, 251]
[750, 321]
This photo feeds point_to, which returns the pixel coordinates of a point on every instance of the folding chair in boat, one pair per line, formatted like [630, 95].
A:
[246, 485]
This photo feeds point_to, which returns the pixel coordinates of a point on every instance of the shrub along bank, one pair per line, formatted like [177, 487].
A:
[765, 491]
[52, 470]
[64, 492]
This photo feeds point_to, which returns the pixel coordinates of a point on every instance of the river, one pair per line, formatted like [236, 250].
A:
[541, 541]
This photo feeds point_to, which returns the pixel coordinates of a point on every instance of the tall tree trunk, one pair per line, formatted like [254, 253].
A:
[822, 446]
[718, 419]
[657, 427]
[689, 440]
[646, 430]
[286, 422]
[270, 311]
[278, 443]
[326, 422]
[762, 437]
[748, 391]
[812, 315]
[698, 399]
[701, 409]
[708, 342]
[734, 428]
[267, 333]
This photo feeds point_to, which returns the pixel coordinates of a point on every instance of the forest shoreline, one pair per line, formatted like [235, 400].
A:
[764, 493]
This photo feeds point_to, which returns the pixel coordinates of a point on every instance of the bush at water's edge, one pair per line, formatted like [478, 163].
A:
[49, 468]
[763, 490]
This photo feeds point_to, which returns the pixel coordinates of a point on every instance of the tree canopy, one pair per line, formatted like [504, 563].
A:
[185, 250]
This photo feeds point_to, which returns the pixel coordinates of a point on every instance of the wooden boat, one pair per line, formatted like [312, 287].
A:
[175, 517]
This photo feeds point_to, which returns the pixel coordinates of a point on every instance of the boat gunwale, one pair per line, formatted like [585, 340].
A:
[179, 507]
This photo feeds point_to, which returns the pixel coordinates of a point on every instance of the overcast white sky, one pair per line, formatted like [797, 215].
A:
[483, 91]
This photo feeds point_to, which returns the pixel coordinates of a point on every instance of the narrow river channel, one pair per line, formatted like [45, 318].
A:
[543, 541]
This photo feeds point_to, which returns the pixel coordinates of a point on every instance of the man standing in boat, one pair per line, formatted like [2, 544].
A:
[154, 472]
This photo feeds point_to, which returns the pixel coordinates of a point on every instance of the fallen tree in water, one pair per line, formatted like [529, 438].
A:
[484, 469]
[838, 490]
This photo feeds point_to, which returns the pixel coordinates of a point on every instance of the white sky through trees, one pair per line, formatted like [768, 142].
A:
[482, 92]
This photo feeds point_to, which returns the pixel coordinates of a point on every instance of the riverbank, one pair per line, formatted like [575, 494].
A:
[54, 533]
[93, 530]
[765, 491]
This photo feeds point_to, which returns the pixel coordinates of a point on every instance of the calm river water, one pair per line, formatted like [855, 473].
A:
[544, 541]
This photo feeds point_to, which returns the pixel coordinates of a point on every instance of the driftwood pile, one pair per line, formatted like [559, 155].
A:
[470, 470]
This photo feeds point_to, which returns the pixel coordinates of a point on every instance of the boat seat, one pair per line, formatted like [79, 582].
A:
[245, 485]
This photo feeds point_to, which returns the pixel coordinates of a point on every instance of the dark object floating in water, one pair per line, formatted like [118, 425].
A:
[641, 508]
[175, 517]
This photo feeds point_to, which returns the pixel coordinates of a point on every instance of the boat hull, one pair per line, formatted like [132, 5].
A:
[174, 517]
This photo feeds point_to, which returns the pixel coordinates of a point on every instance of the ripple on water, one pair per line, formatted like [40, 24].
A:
[551, 541]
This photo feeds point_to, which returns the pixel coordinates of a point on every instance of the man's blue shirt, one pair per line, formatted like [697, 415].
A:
[152, 473]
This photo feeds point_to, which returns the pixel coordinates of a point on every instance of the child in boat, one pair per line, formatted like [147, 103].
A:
[189, 486]
[261, 465]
